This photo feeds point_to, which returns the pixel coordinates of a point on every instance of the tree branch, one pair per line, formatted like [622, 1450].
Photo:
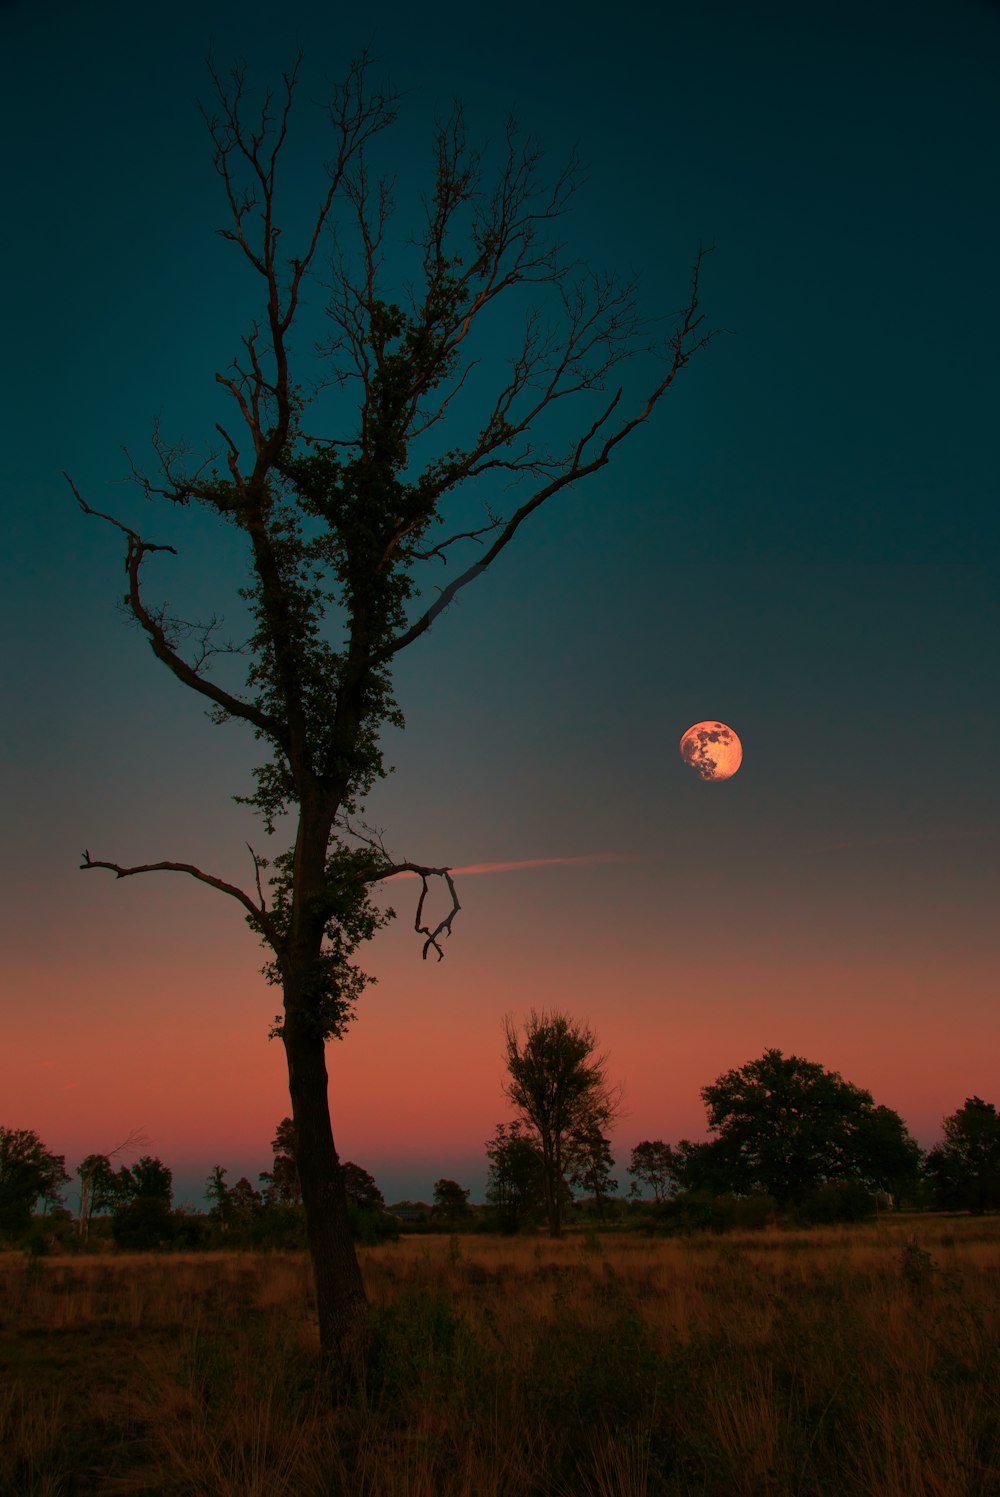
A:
[681, 348]
[443, 927]
[258, 913]
[158, 641]
[464, 535]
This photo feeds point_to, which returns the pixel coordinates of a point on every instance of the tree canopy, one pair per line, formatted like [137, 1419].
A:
[964, 1168]
[29, 1172]
[515, 1185]
[784, 1125]
[281, 1182]
[590, 1162]
[559, 1085]
[657, 1166]
[451, 1200]
[361, 1189]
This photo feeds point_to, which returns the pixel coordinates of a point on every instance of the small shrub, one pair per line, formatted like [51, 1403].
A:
[917, 1267]
[279, 1228]
[372, 1227]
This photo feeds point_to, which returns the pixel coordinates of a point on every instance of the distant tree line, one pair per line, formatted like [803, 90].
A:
[787, 1138]
[793, 1138]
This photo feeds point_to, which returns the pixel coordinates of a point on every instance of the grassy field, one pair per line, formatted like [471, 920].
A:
[858, 1360]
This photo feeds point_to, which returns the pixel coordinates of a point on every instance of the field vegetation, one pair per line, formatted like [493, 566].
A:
[857, 1360]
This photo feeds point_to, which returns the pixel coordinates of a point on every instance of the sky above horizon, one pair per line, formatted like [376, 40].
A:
[804, 543]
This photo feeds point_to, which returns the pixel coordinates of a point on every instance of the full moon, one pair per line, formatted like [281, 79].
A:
[712, 750]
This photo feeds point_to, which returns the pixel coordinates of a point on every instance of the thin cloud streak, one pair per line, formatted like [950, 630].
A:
[584, 860]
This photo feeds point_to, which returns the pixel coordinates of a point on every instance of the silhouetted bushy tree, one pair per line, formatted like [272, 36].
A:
[29, 1172]
[964, 1170]
[559, 1084]
[515, 1185]
[785, 1126]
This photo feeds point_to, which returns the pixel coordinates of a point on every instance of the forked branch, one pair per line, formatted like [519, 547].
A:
[443, 927]
[154, 626]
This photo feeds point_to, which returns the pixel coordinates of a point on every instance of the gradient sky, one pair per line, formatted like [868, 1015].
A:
[805, 543]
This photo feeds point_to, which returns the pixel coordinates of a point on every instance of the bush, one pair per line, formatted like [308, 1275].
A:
[372, 1227]
[743, 1213]
[279, 1228]
[146, 1223]
[837, 1201]
[190, 1229]
[688, 1211]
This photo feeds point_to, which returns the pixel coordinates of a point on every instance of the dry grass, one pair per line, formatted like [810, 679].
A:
[836, 1361]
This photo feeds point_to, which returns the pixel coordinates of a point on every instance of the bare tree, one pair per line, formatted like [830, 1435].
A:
[559, 1085]
[338, 523]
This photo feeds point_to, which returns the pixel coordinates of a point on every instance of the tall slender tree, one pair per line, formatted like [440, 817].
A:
[590, 1164]
[559, 1085]
[340, 521]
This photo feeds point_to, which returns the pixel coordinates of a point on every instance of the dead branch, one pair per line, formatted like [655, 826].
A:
[423, 872]
[258, 864]
[258, 913]
[137, 1139]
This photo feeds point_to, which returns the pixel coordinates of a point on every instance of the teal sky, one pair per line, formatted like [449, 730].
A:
[805, 543]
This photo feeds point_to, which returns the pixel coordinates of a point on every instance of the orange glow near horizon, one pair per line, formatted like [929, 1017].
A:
[418, 1079]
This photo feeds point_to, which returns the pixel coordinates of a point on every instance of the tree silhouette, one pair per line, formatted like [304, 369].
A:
[281, 1181]
[785, 1125]
[559, 1085]
[100, 1187]
[515, 1185]
[28, 1172]
[340, 521]
[965, 1167]
[657, 1165]
[361, 1188]
[590, 1163]
[451, 1200]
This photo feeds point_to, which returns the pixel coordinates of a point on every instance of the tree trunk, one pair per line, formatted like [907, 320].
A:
[553, 1183]
[341, 1303]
